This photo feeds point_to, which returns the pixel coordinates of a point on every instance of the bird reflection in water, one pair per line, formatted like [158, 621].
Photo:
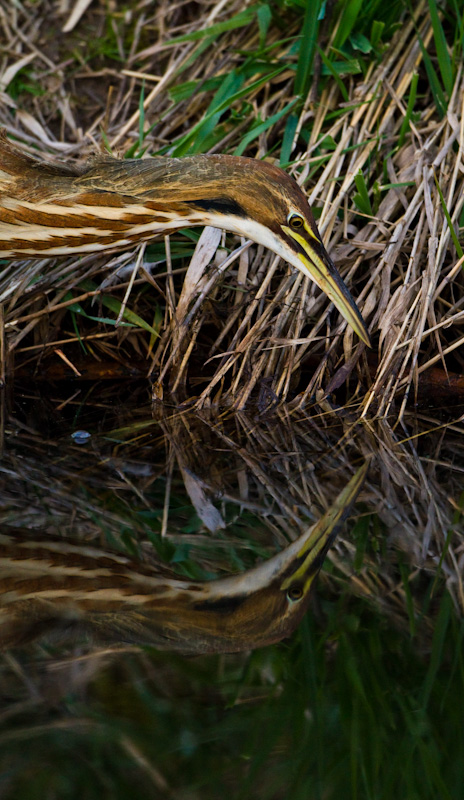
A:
[74, 589]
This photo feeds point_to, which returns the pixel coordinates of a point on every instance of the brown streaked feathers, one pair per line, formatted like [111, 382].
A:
[108, 203]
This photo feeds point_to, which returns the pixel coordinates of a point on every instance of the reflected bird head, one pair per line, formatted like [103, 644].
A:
[69, 587]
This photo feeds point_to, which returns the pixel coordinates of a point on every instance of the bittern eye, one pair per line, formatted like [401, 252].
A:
[295, 221]
[295, 593]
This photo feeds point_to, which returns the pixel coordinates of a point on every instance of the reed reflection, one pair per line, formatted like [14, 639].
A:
[71, 588]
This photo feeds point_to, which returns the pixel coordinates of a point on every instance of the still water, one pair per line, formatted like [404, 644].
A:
[374, 666]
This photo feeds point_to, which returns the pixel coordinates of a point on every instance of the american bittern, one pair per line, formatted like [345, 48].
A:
[59, 209]
[59, 585]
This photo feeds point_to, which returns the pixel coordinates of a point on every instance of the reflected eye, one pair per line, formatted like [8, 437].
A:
[295, 221]
[295, 593]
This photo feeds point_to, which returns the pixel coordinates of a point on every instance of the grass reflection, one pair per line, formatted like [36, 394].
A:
[350, 707]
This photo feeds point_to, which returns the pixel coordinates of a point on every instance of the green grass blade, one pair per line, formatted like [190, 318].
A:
[130, 316]
[264, 15]
[348, 16]
[334, 73]
[448, 219]
[410, 108]
[376, 33]
[438, 644]
[258, 129]
[230, 91]
[435, 86]
[141, 114]
[76, 308]
[115, 305]
[238, 21]
[287, 141]
[362, 198]
[404, 572]
[307, 47]
[444, 60]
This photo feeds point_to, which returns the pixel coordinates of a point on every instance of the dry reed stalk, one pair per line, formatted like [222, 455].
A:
[254, 332]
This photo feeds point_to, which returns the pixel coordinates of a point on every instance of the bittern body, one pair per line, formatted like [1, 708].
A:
[52, 210]
[60, 585]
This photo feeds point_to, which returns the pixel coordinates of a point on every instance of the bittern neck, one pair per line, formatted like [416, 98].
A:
[57, 583]
[162, 194]
[59, 586]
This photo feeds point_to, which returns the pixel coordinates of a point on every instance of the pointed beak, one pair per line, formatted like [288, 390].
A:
[322, 271]
[301, 560]
[315, 262]
[312, 548]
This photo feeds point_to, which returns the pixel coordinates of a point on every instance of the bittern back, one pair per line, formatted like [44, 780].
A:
[57, 585]
[60, 209]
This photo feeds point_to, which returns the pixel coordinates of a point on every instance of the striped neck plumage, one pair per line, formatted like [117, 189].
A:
[108, 204]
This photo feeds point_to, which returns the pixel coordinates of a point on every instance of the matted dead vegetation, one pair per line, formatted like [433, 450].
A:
[223, 324]
[232, 490]
[248, 317]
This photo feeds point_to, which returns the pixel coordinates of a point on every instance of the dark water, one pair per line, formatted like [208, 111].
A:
[362, 701]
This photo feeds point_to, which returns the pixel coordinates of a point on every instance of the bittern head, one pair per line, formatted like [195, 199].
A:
[261, 202]
[252, 198]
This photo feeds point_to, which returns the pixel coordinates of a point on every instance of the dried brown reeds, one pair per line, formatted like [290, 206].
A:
[265, 402]
[254, 323]
[224, 324]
